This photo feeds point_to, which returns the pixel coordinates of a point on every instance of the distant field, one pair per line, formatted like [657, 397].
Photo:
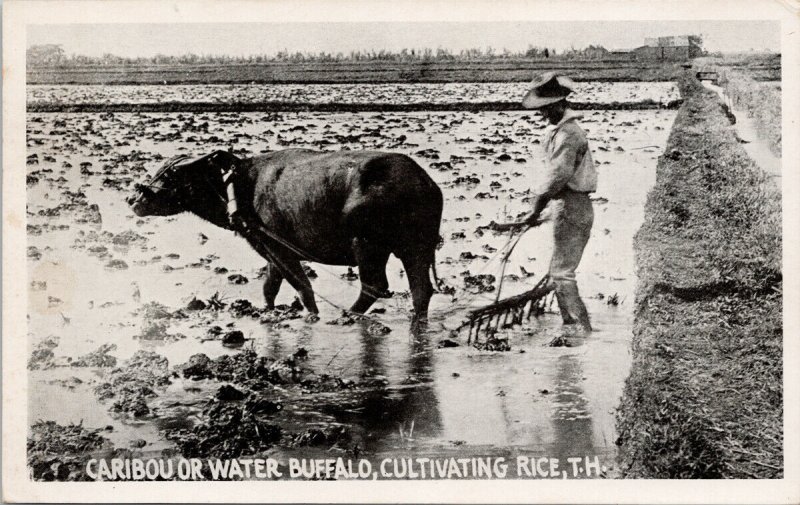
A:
[336, 97]
[358, 72]
[759, 67]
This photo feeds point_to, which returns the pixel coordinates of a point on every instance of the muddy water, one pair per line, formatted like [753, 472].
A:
[534, 399]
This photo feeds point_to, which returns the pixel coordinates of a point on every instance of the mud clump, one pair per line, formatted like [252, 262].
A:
[347, 319]
[282, 313]
[314, 437]
[42, 357]
[493, 344]
[240, 368]
[197, 367]
[157, 330]
[97, 358]
[324, 383]
[71, 383]
[237, 279]
[251, 371]
[59, 453]
[481, 283]
[117, 265]
[133, 402]
[561, 341]
[242, 308]
[467, 179]
[34, 253]
[155, 318]
[155, 310]
[226, 430]
[228, 393]
[137, 380]
[233, 338]
[195, 304]
[469, 256]
[127, 238]
[287, 371]
[259, 405]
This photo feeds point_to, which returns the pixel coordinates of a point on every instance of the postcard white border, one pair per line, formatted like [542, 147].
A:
[16, 486]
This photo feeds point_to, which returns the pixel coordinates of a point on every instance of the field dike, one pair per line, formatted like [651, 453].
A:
[704, 398]
[371, 71]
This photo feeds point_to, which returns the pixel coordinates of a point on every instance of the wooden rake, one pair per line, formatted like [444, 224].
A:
[509, 311]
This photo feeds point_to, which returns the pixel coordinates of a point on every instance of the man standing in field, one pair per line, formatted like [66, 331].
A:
[569, 176]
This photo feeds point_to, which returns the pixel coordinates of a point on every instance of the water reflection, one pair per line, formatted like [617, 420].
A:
[386, 413]
[571, 419]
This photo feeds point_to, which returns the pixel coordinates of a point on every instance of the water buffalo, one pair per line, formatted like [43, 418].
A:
[337, 208]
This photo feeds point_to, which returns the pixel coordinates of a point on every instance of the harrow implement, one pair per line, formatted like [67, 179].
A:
[508, 312]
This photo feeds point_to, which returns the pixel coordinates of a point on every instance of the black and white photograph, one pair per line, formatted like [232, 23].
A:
[406, 250]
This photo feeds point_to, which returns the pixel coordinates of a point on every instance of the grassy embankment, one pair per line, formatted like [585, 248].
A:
[490, 70]
[705, 396]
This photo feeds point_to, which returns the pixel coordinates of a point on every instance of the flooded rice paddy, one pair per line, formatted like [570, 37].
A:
[586, 92]
[98, 276]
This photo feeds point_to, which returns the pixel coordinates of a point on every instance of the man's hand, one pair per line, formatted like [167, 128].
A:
[507, 226]
[517, 225]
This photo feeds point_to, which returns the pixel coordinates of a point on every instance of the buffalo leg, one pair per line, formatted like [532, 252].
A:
[292, 271]
[371, 259]
[272, 284]
[417, 270]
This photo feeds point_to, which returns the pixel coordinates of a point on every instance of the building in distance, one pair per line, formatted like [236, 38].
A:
[676, 48]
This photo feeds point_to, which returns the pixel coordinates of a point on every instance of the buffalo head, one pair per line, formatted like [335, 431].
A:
[165, 192]
[183, 184]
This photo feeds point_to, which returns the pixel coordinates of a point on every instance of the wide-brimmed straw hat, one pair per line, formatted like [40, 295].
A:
[547, 88]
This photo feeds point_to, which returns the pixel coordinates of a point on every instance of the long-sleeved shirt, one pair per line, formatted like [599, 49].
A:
[568, 160]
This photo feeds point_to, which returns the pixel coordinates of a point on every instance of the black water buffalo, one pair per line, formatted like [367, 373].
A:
[337, 208]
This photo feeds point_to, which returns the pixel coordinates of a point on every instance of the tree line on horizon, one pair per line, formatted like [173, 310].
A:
[53, 55]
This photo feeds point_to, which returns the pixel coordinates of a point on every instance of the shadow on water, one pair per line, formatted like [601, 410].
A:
[391, 415]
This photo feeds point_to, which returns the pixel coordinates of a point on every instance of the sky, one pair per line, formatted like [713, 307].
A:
[244, 39]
